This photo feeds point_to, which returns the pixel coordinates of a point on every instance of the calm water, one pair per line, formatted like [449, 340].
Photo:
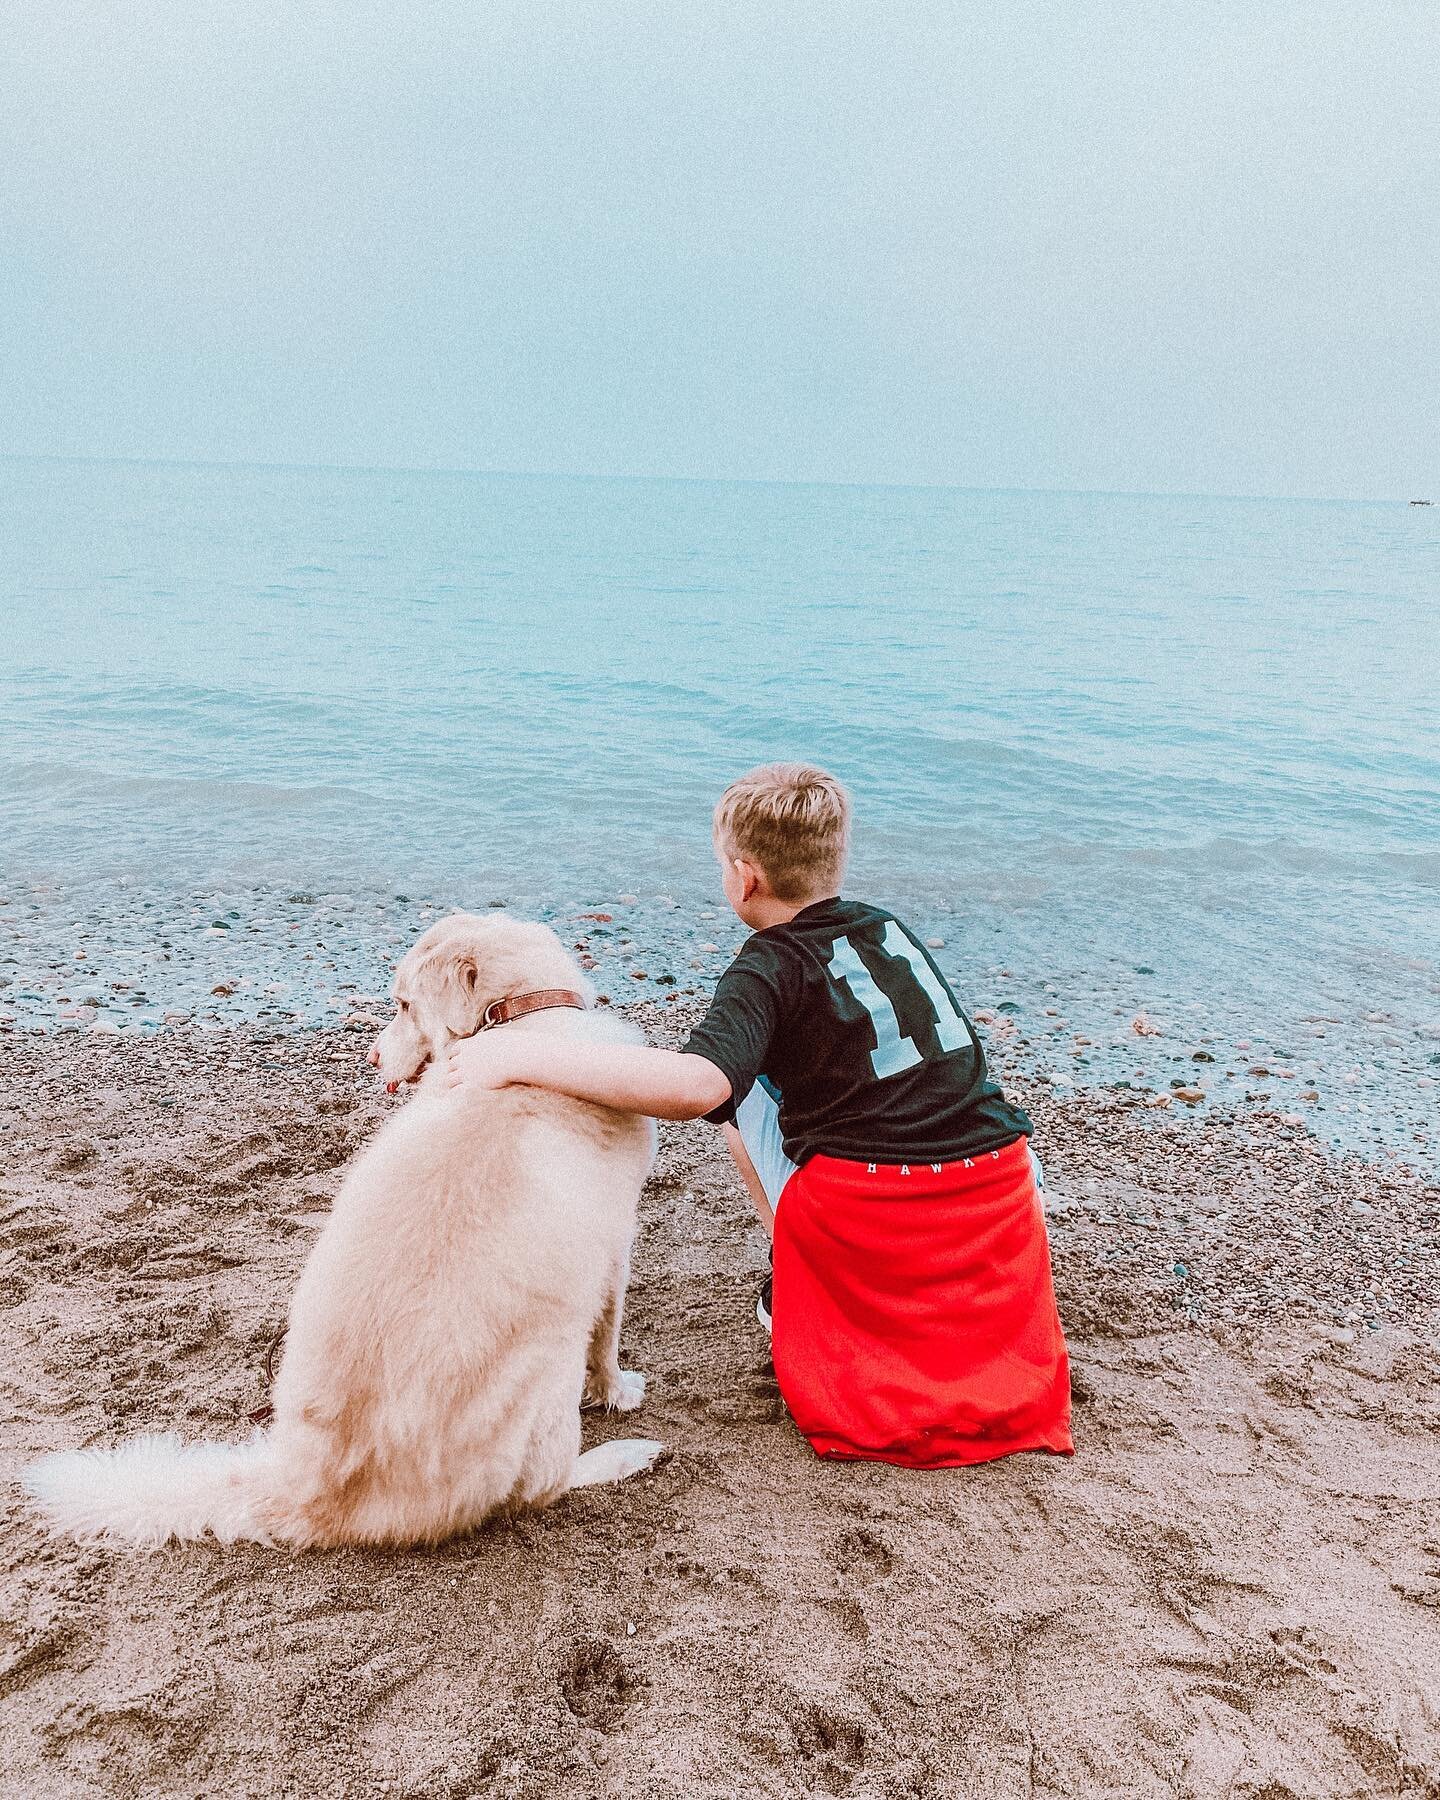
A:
[1087, 735]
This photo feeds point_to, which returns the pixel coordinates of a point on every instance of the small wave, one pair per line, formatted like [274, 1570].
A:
[61, 779]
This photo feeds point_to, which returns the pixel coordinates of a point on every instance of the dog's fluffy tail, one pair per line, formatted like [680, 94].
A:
[154, 1489]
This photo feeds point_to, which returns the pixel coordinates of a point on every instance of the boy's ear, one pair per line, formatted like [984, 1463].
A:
[751, 877]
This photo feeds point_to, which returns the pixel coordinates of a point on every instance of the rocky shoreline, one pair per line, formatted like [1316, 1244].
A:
[126, 959]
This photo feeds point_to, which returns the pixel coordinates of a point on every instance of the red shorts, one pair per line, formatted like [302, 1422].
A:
[914, 1315]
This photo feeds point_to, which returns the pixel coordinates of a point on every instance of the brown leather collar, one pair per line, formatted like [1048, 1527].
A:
[501, 1012]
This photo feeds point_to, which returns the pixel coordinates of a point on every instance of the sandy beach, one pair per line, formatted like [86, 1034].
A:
[1232, 1589]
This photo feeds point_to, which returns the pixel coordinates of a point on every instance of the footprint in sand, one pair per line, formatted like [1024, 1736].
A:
[834, 1744]
[863, 1555]
[597, 1685]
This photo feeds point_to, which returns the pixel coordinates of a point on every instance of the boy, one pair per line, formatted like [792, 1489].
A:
[913, 1315]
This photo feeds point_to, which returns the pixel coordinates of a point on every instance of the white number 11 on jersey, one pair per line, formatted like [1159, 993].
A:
[893, 1051]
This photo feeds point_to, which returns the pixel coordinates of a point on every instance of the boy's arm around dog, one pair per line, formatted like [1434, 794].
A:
[663, 1084]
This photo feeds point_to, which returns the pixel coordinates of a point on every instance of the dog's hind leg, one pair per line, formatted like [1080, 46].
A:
[615, 1461]
[606, 1383]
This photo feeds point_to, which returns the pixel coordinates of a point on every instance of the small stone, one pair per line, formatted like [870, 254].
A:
[1158, 1100]
[709, 949]
[627, 899]
[223, 988]
[1192, 1096]
[935, 943]
[1144, 1026]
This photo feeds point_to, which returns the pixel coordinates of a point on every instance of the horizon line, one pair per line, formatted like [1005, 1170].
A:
[953, 487]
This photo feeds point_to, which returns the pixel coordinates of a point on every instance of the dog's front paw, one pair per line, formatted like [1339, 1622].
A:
[629, 1392]
[623, 1392]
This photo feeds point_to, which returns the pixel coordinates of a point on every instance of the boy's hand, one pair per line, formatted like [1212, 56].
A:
[483, 1061]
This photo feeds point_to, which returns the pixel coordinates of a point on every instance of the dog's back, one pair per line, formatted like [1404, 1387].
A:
[438, 1337]
[465, 1290]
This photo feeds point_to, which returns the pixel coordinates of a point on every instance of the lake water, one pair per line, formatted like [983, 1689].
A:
[1122, 751]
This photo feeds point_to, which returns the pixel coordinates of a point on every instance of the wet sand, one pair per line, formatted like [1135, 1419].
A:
[1232, 1589]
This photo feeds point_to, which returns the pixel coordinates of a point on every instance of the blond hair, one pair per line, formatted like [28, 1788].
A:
[793, 821]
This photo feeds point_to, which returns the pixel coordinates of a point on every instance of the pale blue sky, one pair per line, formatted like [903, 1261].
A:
[1034, 243]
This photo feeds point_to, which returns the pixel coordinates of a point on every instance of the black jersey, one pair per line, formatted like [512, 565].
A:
[845, 1012]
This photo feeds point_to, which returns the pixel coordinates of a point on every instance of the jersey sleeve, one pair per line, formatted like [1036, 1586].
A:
[736, 1033]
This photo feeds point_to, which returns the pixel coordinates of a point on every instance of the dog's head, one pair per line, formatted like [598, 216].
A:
[462, 965]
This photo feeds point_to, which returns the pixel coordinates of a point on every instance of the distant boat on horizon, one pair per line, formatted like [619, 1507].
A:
[1422, 502]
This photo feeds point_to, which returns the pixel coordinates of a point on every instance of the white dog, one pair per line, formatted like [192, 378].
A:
[461, 1304]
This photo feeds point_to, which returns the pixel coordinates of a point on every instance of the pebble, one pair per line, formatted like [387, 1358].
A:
[935, 943]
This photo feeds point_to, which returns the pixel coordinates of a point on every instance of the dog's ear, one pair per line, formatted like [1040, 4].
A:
[452, 972]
